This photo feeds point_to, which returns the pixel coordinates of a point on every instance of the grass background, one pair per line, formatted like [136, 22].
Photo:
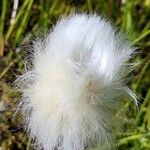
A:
[33, 18]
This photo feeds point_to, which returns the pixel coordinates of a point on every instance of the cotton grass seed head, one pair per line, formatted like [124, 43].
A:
[72, 94]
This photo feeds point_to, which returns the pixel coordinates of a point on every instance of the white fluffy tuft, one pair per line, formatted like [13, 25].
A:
[72, 93]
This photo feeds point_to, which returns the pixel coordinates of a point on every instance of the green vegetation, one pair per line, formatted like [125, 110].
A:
[33, 18]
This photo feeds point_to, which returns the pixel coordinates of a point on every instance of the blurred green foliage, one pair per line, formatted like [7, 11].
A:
[33, 18]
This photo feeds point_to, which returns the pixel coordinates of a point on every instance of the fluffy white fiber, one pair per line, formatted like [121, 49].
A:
[73, 91]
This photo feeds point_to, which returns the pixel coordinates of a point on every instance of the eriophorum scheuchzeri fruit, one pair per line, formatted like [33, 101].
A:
[72, 94]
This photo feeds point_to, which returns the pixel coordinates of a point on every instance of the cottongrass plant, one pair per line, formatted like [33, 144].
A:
[72, 93]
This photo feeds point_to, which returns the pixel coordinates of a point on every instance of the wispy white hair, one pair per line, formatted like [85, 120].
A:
[73, 91]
